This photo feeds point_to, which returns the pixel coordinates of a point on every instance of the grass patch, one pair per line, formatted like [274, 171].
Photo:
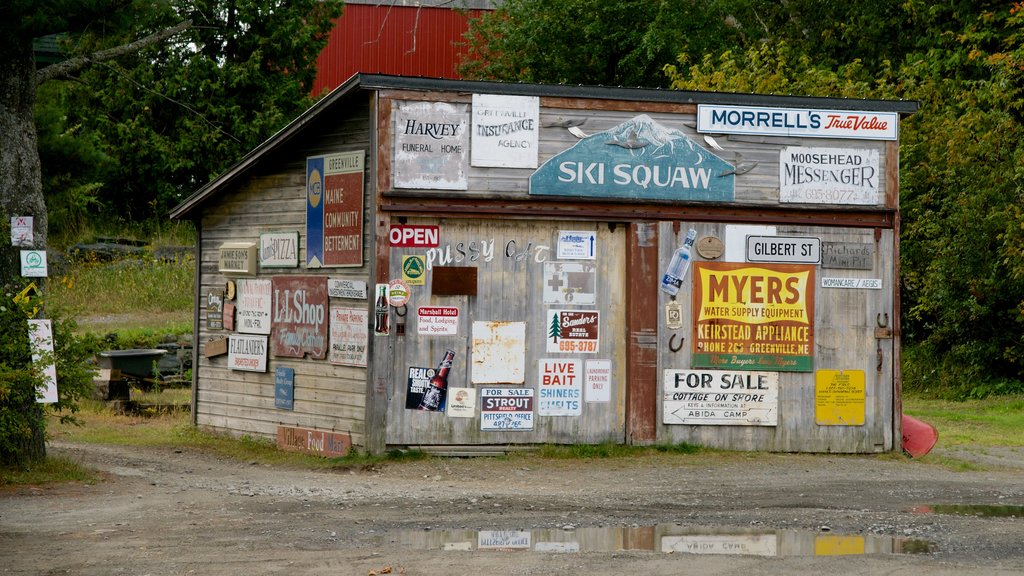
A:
[612, 450]
[51, 470]
[993, 421]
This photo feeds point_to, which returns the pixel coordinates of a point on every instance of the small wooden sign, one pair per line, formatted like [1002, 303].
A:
[319, 442]
[216, 347]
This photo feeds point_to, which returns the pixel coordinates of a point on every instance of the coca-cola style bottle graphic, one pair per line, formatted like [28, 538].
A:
[438, 385]
[380, 317]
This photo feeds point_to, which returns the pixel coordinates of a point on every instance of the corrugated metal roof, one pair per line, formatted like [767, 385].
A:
[371, 82]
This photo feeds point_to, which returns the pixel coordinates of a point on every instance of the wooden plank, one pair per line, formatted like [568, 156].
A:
[642, 325]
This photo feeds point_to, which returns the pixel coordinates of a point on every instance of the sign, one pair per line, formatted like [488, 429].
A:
[852, 283]
[559, 387]
[573, 331]
[248, 353]
[505, 130]
[344, 288]
[237, 258]
[254, 300]
[284, 387]
[310, 441]
[300, 317]
[461, 402]
[753, 317]
[279, 250]
[573, 245]
[597, 383]
[499, 352]
[350, 334]
[839, 397]
[719, 544]
[398, 293]
[402, 236]
[506, 409]
[21, 231]
[570, 283]
[431, 146]
[506, 540]
[848, 255]
[215, 310]
[40, 339]
[417, 385]
[437, 321]
[829, 176]
[795, 250]
[33, 264]
[638, 159]
[215, 347]
[229, 316]
[414, 270]
[334, 210]
[721, 397]
[810, 123]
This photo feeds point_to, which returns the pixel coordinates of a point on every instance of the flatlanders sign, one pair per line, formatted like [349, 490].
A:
[637, 159]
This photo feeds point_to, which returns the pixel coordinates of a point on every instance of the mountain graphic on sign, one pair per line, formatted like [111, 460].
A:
[637, 159]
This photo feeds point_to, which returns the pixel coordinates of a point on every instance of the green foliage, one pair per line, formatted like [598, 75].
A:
[47, 471]
[173, 116]
[22, 418]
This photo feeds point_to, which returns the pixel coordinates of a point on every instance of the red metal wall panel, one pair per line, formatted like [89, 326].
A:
[404, 40]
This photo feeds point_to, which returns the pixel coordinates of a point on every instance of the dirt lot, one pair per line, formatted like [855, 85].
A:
[177, 512]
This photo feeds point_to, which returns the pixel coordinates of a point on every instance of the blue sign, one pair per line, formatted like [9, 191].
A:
[284, 387]
[315, 211]
[638, 159]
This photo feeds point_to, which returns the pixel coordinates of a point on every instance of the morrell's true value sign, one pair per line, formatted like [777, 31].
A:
[809, 123]
[637, 159]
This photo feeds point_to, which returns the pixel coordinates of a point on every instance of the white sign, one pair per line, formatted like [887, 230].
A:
[737, 398]
[577, 245]
[33, 263]
[736, 239]
[247, 353]
[279, 250]
[793, 250]
[499, 352]
[559, 387]
[829, 176]
[40, 339]
[506, 409]
[855, 283]
[398, 293]
[810, 123]
[461, 403]
[570, 283]
[254, 300]
[350, 332]
[503, 540]
[597, 385]
[437, 320]
[741, 544]
[342, 288]
[505, 130]
[21, 231]
[431, 146]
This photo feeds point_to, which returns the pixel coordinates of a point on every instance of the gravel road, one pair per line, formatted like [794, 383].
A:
[178, 512]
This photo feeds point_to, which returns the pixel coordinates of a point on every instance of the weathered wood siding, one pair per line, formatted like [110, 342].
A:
[326, 396]
[509, 289]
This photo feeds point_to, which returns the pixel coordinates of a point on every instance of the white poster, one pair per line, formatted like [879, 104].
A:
[736, 239]
[461, 403]
[499, 352]
[722, 397]
[570, 283]
[33, 264]
[437, 320]
[248, 353]
[505, 130]
[431, 146]
[506, 409]
[350, 334]
[597, 385]
[279, 250]
[40, 337]
[829, 176]
[254, 300]
[559, 387]
[21, 231]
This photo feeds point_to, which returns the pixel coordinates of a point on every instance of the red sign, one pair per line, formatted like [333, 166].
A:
[300, 316]
[414, 236]
[317, 442]
[343, 219]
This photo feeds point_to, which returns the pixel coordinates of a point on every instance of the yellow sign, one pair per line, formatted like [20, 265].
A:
[839, 397]
[414, 270]
[833, 545]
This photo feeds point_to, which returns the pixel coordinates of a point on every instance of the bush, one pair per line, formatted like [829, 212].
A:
[22, 417]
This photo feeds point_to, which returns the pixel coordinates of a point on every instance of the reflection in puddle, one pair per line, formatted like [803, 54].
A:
[994, 511]
[668, 538]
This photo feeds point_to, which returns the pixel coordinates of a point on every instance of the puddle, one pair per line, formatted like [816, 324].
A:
[984, 510]
[665, 538]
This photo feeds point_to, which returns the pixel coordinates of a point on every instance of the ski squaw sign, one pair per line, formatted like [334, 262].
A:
[637, 159]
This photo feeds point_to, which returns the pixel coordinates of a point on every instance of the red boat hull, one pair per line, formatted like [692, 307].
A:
[918, 437]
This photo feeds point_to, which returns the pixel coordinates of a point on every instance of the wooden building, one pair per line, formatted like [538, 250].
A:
[583, 264]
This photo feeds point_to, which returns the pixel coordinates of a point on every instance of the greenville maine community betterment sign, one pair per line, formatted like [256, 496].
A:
[334, 210]
[637, 159]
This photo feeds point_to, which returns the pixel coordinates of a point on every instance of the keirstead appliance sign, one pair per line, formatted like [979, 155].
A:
[804, 122]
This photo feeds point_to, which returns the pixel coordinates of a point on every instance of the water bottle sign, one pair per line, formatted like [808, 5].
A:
[677, 267]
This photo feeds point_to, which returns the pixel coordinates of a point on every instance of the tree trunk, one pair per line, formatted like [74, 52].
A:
[21, 192]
